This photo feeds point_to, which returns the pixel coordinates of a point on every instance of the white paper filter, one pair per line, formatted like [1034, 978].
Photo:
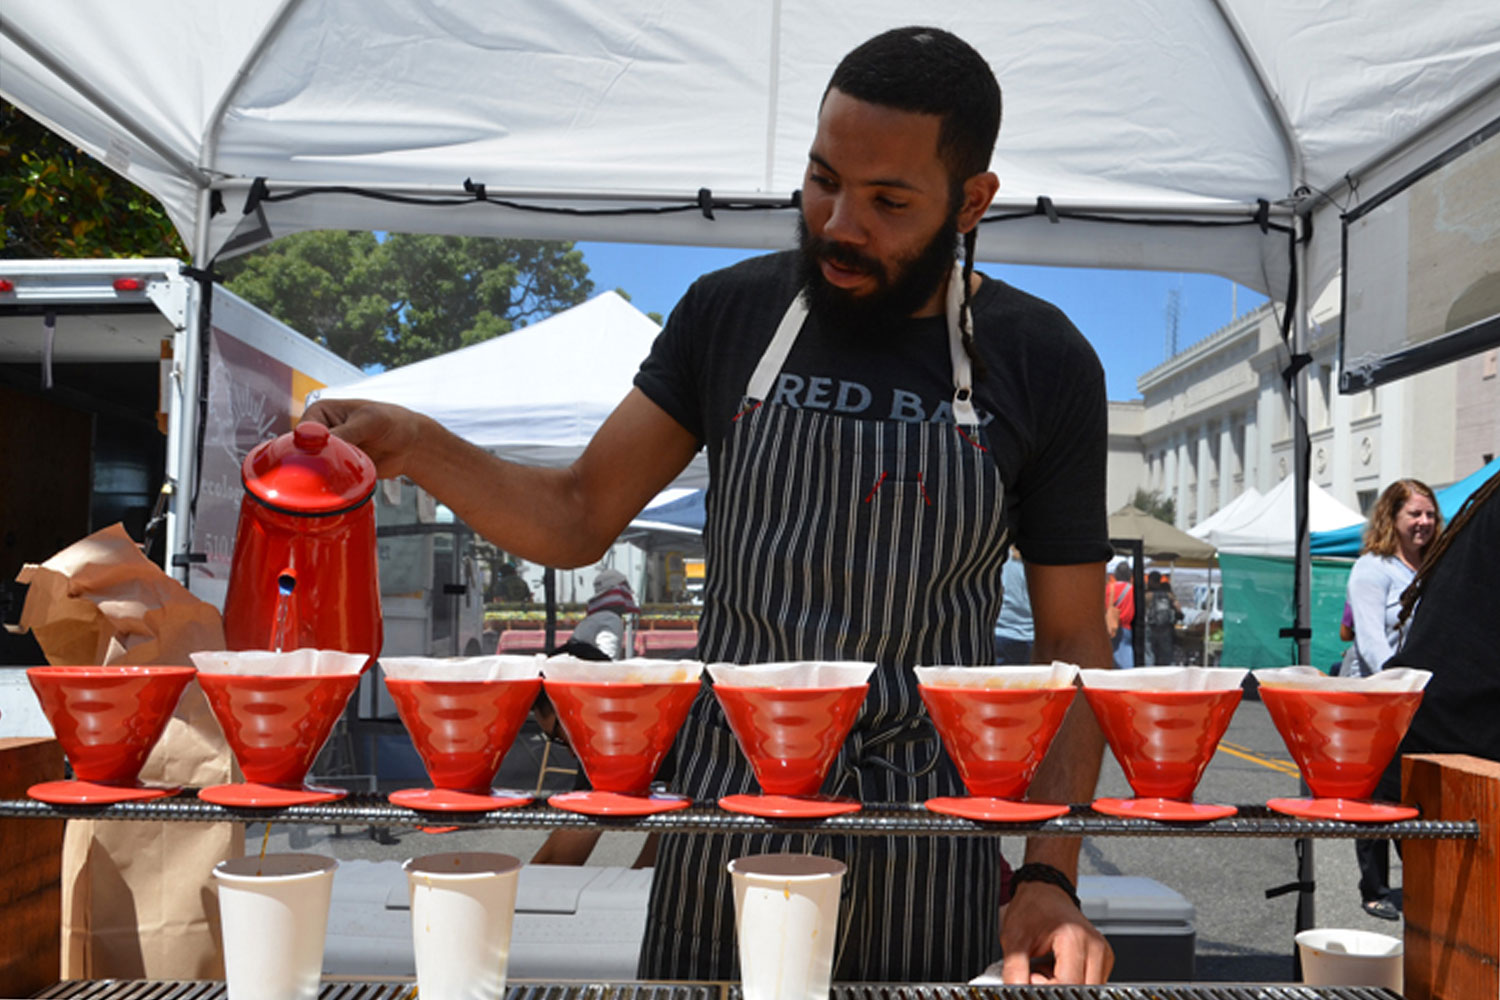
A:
[1165, 679]
[570, 669]
[462, 668]
[808, 674]
[1394, 679]
[1058, 675]
[267, 663]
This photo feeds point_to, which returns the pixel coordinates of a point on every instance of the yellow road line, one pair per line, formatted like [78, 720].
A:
[1283, 766]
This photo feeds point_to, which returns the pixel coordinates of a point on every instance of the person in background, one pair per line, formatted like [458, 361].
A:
[1120, 613]
[603, 628]
[1403, 525]
[1013, 629]
[1162, 615]
[509, 587]
[1348, 665]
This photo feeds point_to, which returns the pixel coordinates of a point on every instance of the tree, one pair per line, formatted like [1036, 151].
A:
[406, 297]
[1153, 503]
[57, 201]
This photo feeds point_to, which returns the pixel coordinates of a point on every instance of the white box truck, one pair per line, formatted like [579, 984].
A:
[99, 392]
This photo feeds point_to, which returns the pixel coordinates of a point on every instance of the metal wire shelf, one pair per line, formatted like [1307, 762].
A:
[874, 820]
[356, 990]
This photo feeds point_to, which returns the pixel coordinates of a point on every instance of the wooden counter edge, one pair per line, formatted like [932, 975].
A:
[30, 873]
[1451, 888]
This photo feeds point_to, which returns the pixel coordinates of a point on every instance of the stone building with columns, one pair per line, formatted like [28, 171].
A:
[1214, 420]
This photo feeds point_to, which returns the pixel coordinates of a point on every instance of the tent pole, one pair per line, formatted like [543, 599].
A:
[549, 591]
[1302, 469]
[191, 352]
[1137, 588]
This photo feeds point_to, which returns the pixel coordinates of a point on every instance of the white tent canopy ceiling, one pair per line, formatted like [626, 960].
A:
[371, 114]
[1162, 134]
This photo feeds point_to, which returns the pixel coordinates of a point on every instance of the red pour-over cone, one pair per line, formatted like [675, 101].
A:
[791, 737]
[997, 738]
[1163, 741]
[1342, 741]
[462, 730]
[275, 726]
[620, 734]
[107, 720]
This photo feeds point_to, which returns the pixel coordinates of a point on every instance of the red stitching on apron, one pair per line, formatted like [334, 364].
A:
[746, 410]
[966, 437]
[871, 495]
[923, 488]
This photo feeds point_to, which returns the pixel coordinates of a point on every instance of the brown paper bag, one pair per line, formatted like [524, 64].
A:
[138, 899]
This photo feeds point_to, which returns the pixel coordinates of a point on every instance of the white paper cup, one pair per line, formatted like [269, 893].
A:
[274, 912]
[786, 914]
[1334, 957]
[462, 908]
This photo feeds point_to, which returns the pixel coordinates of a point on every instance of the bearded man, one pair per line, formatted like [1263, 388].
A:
[882, 423]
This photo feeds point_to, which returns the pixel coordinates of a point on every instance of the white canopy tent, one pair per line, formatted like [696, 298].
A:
[1231, 510]
[1165, 134]
[536, 395]
[1268, 526]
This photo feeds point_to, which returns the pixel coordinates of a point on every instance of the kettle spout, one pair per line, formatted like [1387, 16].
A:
[286, 581]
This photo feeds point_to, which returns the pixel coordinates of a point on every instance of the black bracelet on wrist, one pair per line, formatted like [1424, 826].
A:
[1036, 871]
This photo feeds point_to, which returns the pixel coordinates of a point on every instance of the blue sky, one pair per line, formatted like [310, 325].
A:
[1122, 313]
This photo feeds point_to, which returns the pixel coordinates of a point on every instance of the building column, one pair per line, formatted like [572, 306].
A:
[1169, 475]
[1226, 461]
[1252, 449]
[1205, 472]
[1185, 476]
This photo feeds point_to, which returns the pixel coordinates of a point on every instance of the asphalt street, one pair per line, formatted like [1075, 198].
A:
[1241, 935]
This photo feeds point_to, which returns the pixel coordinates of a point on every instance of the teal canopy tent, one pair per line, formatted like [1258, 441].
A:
[1346, 541]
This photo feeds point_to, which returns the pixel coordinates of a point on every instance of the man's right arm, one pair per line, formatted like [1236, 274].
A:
[557, 517]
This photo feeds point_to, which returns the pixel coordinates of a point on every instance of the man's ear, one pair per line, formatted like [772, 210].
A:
[979, 191]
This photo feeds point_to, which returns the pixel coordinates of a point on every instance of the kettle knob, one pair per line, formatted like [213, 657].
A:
[310, 437]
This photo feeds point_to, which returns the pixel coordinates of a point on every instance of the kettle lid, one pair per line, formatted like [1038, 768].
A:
[309, 471]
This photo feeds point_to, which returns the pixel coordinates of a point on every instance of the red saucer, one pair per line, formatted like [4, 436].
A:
[91, 793]
[452, 800]
[251, 795]
[597, 803]
[1171, 810]
[1346, 810]
[993, 810]
[789, 806]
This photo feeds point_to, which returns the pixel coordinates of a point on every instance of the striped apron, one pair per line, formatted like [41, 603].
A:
[832, 538]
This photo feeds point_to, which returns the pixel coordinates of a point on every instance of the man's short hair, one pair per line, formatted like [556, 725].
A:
[934, 72]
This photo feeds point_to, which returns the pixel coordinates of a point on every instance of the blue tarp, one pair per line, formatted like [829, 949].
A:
[685, 512]
[1346, 541]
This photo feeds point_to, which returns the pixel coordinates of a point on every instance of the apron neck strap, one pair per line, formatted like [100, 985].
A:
[780, 347]
[963, 374]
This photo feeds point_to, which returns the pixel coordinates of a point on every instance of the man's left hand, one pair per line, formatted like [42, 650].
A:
[1041, 921]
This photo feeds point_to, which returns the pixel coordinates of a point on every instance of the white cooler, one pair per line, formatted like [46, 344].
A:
[1149, 926]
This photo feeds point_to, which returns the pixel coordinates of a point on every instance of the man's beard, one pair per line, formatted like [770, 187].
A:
[895, 297]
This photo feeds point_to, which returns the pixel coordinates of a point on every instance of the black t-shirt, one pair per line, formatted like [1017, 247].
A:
[1041, 402]
[1454, 634]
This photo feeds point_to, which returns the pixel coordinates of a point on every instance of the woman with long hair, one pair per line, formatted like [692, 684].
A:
[1403, 525]
[1402, 528]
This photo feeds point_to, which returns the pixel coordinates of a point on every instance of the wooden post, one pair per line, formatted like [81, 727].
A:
[30, 874]
[1451, 888]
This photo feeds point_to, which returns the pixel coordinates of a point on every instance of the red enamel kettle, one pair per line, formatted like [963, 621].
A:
[304, 574]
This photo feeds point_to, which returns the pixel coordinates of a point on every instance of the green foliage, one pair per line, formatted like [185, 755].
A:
[1153, 503]
[57, 201]
[394, 301]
